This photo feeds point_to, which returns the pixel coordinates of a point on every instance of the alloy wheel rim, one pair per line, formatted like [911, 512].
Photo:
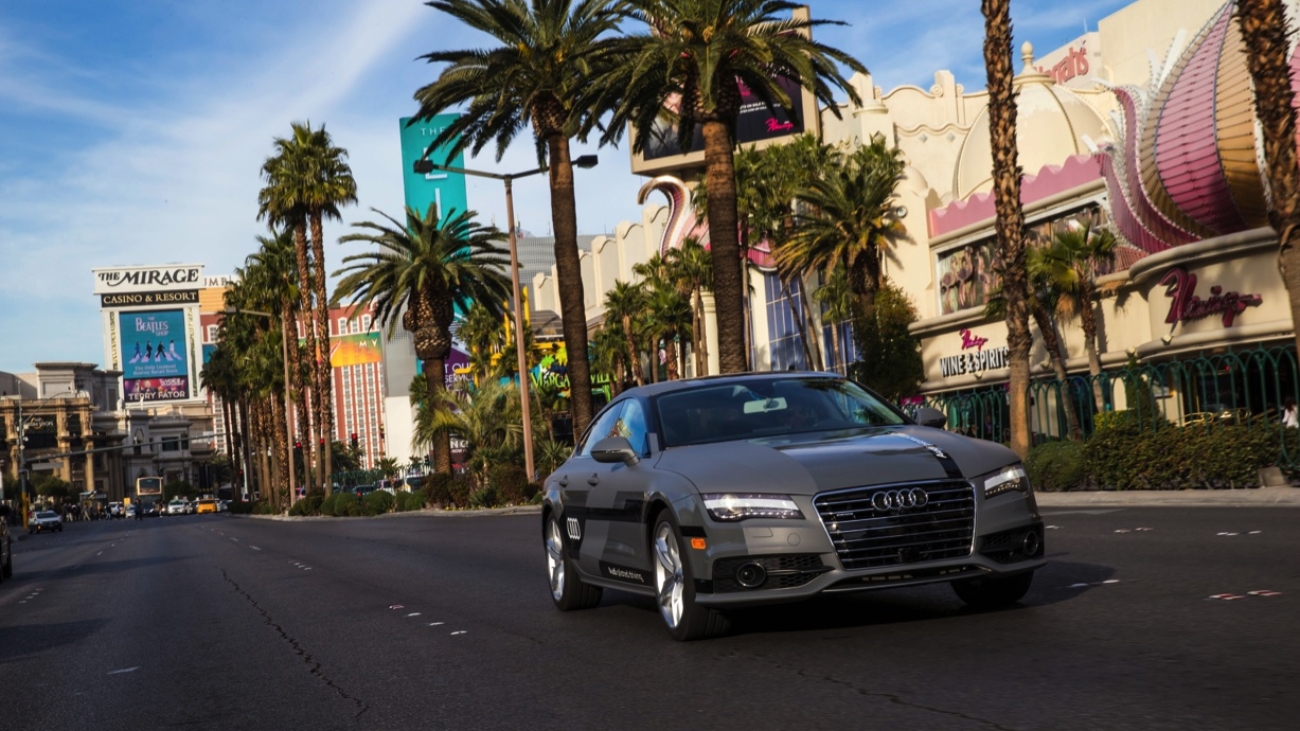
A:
[555, 559]
[668, 575]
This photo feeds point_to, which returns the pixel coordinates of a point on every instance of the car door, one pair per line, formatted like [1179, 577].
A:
[575, 479]
[616, 503]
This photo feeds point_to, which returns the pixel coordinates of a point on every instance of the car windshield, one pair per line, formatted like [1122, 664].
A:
[46, 515]
[769, 407]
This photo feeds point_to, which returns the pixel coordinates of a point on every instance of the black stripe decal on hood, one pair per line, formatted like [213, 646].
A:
[945, 460]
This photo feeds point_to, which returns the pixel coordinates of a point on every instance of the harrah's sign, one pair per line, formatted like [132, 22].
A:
[148, 279]
[1185, 305]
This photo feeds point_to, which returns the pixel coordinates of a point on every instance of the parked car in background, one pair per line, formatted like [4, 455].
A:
[223, 506]
[115, 510]
[205, 505]
[45, 521]
[176, 507]
[130, 510]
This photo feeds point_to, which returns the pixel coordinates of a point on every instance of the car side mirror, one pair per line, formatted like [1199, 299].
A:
[614, 449]
[926, 416]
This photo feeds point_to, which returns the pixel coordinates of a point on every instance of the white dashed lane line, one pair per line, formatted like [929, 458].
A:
[124, 670]
[255, 548]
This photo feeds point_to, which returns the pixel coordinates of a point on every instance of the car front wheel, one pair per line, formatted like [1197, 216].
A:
[990, 593]
[675, 587]
[567, 590]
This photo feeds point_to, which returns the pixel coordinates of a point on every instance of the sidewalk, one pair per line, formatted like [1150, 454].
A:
[1245, 498]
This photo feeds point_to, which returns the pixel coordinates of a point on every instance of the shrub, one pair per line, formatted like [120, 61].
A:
[309, 504]
[482, 498]
[408, 501]
[437, 489]
[241, 507]
[1173, 458]
[264, 507]
[510, 482]
[1057, 467]
[461, 488]
[340, 505]
[377, 503]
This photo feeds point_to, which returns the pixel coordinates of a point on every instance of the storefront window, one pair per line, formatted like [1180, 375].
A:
[969, 274]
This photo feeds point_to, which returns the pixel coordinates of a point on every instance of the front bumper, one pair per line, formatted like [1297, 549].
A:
[801, 559]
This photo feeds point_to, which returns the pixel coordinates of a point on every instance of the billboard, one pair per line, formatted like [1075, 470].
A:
[445, 189]
[355, 349]
[154, 364]
[168, 278]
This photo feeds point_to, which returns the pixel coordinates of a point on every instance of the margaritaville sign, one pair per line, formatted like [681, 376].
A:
[974, 358]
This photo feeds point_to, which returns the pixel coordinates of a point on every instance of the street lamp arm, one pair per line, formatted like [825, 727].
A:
[231, 310]
[483, 174]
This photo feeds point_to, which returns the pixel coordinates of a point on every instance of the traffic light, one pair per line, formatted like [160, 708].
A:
[354, 440]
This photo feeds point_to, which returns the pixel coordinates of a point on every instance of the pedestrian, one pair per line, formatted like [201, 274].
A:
[1290, 415]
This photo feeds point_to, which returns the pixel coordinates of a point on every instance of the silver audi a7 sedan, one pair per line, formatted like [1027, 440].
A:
[722, 492]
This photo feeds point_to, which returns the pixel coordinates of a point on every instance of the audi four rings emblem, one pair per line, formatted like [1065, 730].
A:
[886, 500]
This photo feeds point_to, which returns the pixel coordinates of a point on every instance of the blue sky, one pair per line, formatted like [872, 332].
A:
[132, 131]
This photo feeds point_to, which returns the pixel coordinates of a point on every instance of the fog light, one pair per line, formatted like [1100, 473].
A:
[751, 575]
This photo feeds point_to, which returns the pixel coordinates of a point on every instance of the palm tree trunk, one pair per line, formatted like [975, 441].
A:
[634, 356]
[435, 379]
[1010, 214]
[670, 356]
[701, 333]
[728, 285]
[246, 437]
[300, 248]
[326, 378]
[835, 346]
[1052, 341]
[799, 324]
[1264, 27]
[695, 331]
[282, 454]
[1088, 321]
[568, 272]
[814, 340]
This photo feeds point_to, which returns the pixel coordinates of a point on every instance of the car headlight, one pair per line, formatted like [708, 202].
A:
[1011, 477]
[730, 507]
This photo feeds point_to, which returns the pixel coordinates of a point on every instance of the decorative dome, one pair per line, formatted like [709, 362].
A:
[1051, 124]
[1188, 167]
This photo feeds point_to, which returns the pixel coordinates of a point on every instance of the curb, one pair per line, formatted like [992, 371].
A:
[427, 512]
[1260, 497]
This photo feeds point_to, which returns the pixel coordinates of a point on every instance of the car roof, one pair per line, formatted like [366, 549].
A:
[682, 384]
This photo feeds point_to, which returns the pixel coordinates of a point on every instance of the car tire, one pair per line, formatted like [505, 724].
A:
[991, 593]
[675, 586]
[567, 590]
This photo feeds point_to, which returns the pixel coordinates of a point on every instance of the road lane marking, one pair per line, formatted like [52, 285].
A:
[124, 670]
[397, 606]
[236, 540]
[1264, 592]
[459, 632]
[413, 614]
[255, 548]
[435, 624]
[101, 553]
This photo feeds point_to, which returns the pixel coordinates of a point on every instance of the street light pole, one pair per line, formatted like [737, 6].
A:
[422, 166]
[284, 356]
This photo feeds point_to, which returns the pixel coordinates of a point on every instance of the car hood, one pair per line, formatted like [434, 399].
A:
[813, 463]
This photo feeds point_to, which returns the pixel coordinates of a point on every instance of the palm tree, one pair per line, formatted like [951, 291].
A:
[540, 75]
[329, 185]
[837, 306]
[694, 56]
[482, 333]
[850, 222]
[609, 354]
[1084, 250]
[1010, 214]
[422, 272]
[668, 318]
[692, 264]
[624, 302]
[1049, 279]
[1264, 27]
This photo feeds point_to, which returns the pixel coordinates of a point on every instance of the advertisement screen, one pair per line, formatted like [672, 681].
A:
[440, 187]
[755, 123]
[155, 367]
[356, 349]
[176, 388]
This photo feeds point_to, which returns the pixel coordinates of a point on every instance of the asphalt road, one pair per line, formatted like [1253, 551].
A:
[420, 622]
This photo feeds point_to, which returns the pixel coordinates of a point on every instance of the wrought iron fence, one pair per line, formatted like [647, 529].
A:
[1246, 388]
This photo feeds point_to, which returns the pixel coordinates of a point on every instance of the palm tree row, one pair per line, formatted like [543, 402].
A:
[567, 68]
[307, 181]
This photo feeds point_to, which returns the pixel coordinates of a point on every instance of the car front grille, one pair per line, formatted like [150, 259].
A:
[866, 537]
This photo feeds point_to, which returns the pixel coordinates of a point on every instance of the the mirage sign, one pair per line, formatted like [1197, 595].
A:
[118, 280]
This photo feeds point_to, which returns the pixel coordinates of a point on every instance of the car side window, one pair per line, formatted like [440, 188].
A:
[632, 426]
[606, 425]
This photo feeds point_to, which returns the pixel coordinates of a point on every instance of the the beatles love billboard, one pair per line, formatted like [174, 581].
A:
[154, 364]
